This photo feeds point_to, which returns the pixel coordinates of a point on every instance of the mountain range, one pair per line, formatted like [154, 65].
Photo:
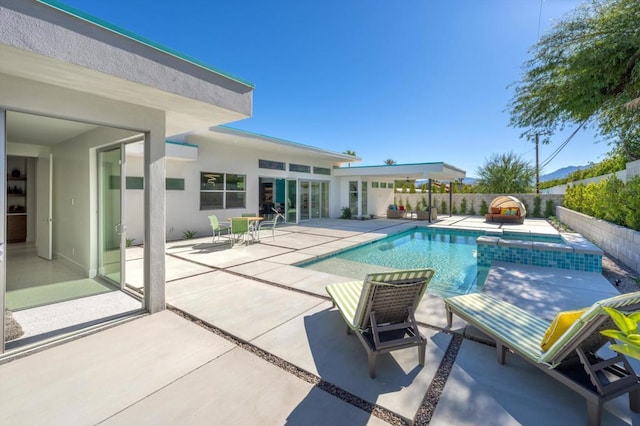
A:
[558, 174]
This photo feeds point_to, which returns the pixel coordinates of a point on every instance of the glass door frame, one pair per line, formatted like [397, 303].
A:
[3, 228]
[119, 228]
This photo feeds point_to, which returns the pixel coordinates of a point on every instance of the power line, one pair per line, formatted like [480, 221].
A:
[561, 147]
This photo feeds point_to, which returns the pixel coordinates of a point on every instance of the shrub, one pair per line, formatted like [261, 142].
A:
[536, 206]
[454, 210]
[484, 208]
[346, 213]
[408, 205]
[472, 211]
[412, 187]
[463, 206]
[189, 234]
[631, 203]
[549, 209]
[443, 207]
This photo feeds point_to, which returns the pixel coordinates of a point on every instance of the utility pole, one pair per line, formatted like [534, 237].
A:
[537, 166]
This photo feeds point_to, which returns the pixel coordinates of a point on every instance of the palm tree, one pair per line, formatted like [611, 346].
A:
[389, 162]
[349, 152]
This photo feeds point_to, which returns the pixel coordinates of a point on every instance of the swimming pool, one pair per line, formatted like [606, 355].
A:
[461, 258]
[451, 253]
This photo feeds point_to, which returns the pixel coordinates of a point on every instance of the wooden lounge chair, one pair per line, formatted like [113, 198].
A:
[380, 310]
[572, 359]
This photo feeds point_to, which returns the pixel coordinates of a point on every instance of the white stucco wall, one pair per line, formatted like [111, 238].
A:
[183, 207]
[71, 169]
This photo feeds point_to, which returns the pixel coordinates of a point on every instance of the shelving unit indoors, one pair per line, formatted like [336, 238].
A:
[16, 199]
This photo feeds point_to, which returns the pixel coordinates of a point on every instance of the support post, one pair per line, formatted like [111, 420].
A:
[430, 181]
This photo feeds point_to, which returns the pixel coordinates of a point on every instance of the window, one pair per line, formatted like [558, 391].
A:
[299, 168]
[322, 171]
[174, 184]
[374, 184]
[222, 191]
[383, 184]
[273, 165]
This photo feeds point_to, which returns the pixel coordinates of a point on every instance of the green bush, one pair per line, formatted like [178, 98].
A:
[189, 234]
[536, 206]
[484, 208]
[443, 207]
[454, 210]
[549, 209]
[472, 211]
[463, 206]
[346, 213]
[610, 199]
[408, 205]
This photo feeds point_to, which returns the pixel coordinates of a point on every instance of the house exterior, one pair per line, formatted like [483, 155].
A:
[96, 129]
[74, 92]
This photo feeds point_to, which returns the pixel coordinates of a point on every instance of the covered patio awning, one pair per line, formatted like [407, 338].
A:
[437, 171]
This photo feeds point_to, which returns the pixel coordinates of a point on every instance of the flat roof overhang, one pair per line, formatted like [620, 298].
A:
[249, 140]
[44, 42]
[438, 171]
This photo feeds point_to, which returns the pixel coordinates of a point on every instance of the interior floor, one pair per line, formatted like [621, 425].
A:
[33, 281]
[51, 297]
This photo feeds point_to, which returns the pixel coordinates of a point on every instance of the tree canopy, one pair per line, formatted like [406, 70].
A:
[505, 174]
[585, 70]
[390, 162]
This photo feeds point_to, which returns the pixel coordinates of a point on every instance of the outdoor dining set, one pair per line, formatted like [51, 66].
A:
[245, 228]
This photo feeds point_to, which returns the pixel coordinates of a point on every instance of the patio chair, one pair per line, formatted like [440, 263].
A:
[217, 227]
[380, 311]
[240, 229]
[270, 224]
[572, 359]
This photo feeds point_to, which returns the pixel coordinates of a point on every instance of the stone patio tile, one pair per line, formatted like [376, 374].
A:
[255, 268]
[244, 308]
[546, 291]
[481, 391]
[226, 257]
[174, 269]
[298, 240]
[88, 380]
[194, 285]
[292, 258]
[317, 341]
[286, 275]
[239, 388]
[318, 251]
[317, 282]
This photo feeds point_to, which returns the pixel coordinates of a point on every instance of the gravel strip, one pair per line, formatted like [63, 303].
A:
[434, 391]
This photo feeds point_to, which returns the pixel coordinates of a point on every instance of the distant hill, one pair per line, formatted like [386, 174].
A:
[561, 173]
[558, 174]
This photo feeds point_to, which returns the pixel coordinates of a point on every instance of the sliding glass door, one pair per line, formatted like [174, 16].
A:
[112, 231]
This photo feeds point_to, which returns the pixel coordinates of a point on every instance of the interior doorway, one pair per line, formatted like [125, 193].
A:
[51, 282]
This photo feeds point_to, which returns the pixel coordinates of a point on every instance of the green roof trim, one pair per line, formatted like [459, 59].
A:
[135, 37]
[181, 143]
[393, 165]
[301, 145]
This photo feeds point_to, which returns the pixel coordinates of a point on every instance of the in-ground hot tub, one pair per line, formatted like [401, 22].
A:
[574, 252]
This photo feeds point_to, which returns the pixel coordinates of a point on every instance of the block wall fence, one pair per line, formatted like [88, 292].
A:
[475, 200]
[622, 243]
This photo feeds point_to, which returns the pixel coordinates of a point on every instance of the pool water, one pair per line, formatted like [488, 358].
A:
[451, 253]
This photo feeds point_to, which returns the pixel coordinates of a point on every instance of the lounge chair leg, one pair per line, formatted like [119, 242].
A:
[449, 317]
[348, 331]
[372, 365]
[594, 412]
[634, 401]
[421, 352]
[502, 351]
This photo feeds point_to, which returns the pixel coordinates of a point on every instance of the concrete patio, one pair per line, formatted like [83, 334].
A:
[265, 347]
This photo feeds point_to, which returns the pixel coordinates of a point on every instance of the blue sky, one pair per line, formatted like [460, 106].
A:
[411, 80]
